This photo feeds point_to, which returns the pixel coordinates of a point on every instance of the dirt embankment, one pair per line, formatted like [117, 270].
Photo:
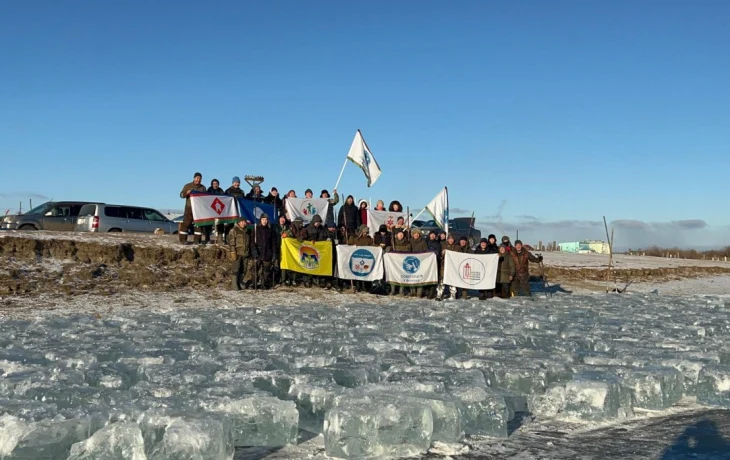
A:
[46, 263]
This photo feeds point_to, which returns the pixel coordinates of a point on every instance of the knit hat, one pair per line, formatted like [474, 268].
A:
[317, 218]
[416, 231]
[235, 179]
[214, 180]
[363, 228]
[264, 216]
[463, 238]
[197, 174]
[492, 236]
[309, 190]
[273, 189]
[505, 239]
[324, 192]
[484, 240]
[518, 242]
[450, 236]
[383, 228]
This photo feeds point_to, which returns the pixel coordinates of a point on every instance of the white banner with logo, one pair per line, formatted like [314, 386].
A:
[306, 208]
[411, 269]
[212, 209]
[470, 271]
[360, 263]
[387, 218]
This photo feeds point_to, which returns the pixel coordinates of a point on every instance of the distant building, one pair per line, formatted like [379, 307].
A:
[569, 247]
[585, 247]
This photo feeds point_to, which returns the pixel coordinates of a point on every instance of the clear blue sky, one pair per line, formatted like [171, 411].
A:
[568, 110]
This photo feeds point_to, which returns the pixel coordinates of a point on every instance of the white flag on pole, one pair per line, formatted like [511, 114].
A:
[415, 269]
[207, 209]
[439, 209]
[361, 155]
[387, 218]
[363, 263]
[306, 208]
[470, 271]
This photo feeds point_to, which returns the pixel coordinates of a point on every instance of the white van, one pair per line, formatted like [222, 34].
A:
[118, 218]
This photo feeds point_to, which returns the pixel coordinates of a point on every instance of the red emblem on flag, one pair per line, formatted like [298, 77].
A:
[218, 206]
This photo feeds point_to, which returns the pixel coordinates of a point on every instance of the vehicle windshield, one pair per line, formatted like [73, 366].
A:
[40, 208]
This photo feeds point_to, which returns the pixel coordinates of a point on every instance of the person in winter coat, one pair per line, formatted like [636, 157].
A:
[492, 247]
[507, 244]
[262, 250]
[434, 246]
[329, 220]
[255, 194]
[443, 240]
[383, 238]
[484, 248]
[274, 200]
[187, 223]
[308, 193]
[315, 232]
[282, 230]
[239, 250]
[235, 191]
[349, 217]
[395, 206]
[363, 209]
[505, 272]
[362, 239]
[289, 194]
[400, 244]
[522, 258]
[419, 245]
[215, 189]
[379, 206]
[450, 245]
[465, 249]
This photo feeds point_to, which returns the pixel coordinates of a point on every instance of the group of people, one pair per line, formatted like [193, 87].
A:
[255, 250]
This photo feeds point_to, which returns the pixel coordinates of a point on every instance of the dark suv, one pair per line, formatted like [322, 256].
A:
[53, 215]
[459, 226]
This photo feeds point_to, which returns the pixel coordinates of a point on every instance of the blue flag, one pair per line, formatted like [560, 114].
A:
[252, 210]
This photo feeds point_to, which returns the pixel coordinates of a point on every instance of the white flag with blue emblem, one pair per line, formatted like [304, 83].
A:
[359, 263]
[361, 155]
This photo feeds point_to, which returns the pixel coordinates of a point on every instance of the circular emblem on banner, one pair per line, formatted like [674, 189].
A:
[308, 208]
[472, 271]
[362, 262]
[411, 264]
[308, 258]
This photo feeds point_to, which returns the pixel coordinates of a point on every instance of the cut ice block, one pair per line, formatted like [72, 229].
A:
[378, 430]
[713, 386]
[593, 396]
[258, 421]
[52, 439]
[12, 430]
[483, 412]
[653, 388]
[194, 439]
[313, 402]
[118, 441]
[549, 404]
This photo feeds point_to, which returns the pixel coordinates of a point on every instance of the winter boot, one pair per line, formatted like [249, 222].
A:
[440, 292]
[452, 293]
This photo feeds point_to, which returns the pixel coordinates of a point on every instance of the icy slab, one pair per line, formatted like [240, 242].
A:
[378, 430]
[549, 404]
[258, 420]
[483, 412]
[51, 439]
[713, 386]
[118, 441]
[12, 430]
[593, 396]
[653, 388]
[194, 439]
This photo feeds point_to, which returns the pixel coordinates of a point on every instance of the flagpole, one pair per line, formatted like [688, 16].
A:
[341, 172]
[419, 214]
[447, 211]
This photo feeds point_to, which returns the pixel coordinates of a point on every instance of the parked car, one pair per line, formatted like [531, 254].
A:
[459, 226]
[102, 217]
[52, 215]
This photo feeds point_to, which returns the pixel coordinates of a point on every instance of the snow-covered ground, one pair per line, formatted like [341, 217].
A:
[623, 261]
[152, 366]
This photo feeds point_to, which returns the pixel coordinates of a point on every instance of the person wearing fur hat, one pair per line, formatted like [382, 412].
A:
[506, 243]
[362, 238]
[255, 194]
[379, 206]
[395, 206]
[505, 272]
[187, 224]
[522, 258]
[349, 217]
[262, 251]
[383, 238]
[275, 200]
[239, 250]
[329, 220]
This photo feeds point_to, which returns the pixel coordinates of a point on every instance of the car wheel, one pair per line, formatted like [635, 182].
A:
[115, 230]
[28, 227]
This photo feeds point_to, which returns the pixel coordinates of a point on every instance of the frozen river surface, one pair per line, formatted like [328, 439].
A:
[609, 376]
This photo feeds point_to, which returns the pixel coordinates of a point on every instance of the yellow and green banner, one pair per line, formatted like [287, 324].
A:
[310, 258]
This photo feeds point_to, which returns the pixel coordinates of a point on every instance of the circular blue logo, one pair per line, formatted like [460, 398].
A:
[411, 264]
[362, 262]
